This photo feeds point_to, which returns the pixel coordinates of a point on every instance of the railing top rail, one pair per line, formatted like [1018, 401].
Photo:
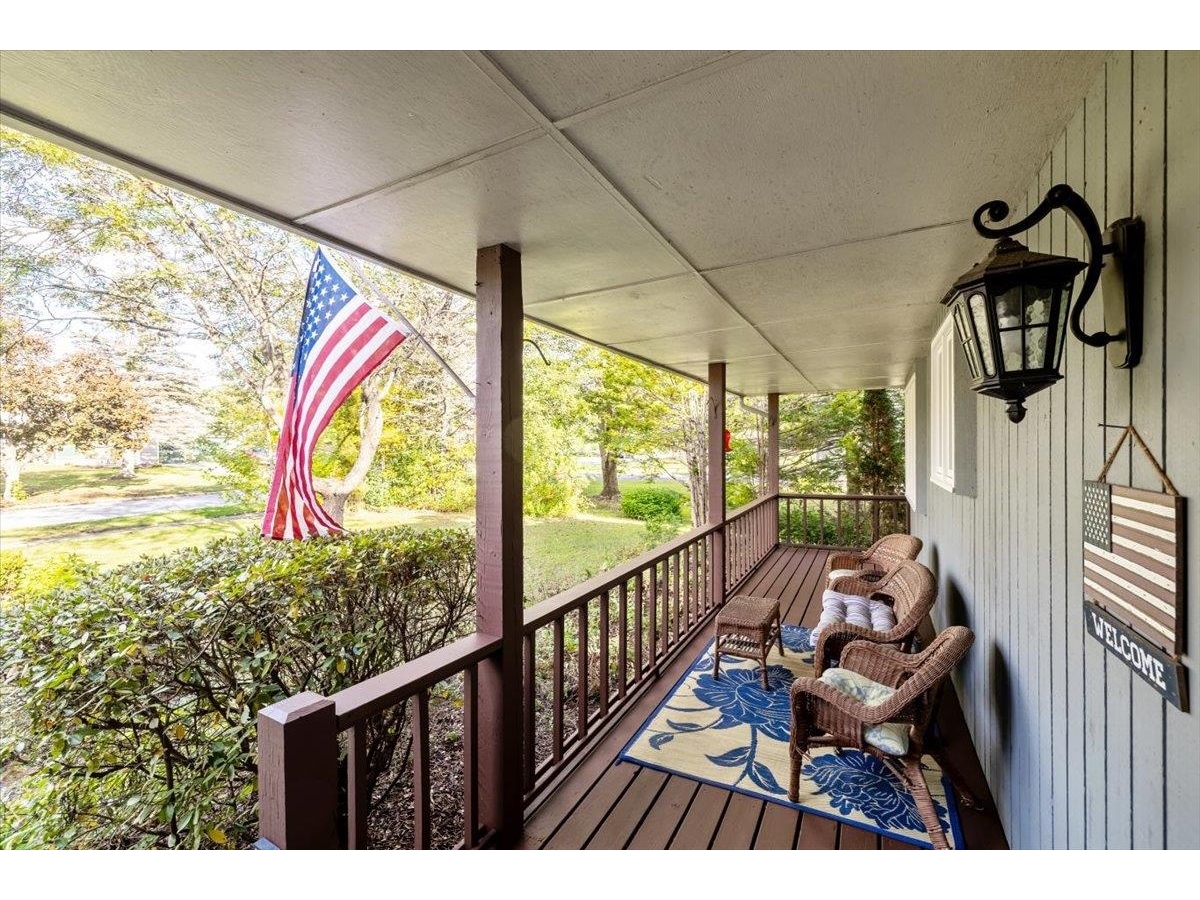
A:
[749, 507]
[797, 496]
[357, 702]
[554, 607]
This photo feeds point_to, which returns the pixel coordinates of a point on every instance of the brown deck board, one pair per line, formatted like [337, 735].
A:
[739, 824]
[602, 804]
[778, 829]
[623, 819]
[657, 829]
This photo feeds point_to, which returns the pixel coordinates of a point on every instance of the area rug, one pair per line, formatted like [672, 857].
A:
[731, 733]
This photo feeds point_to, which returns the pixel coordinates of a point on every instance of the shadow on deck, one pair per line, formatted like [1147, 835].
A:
[608, 805]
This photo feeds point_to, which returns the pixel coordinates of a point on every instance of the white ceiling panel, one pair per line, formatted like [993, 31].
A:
[844, 332]
[289, 132]
[723, 345]
[573, 236]
[673, 306]
[794, 150]
[564, 82]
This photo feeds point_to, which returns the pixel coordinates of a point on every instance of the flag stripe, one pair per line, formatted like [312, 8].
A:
[1163, 533]
[1107, 598]
[1151, 571]
[1163, 545]
[1159, 509]
[1127, 582]
[1167, 559]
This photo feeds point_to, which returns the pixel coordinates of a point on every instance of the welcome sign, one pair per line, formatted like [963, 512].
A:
[1161, 672]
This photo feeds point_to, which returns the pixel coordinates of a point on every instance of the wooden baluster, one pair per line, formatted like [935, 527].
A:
[874, 520]
[470, 753]
[557, 712]
[530, 723]
[822, 528]
[788, 519]
[677, 598]
[804, 537]
[622, 639]
[422, 820]
[582, 692]
[665, 588]
[604, 636]
[358, 798]
[639, 593]
[689, 584]
[652, 605]
[840, 539]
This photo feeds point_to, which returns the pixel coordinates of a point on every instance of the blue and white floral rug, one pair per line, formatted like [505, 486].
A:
[731, 733]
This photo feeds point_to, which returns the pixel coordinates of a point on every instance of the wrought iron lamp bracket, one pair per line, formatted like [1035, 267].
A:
[1123, 242]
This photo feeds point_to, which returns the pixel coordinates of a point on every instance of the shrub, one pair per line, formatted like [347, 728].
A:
[132, 697]
[652, 503]
[12, 572]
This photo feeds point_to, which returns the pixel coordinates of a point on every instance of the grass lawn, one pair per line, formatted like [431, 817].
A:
[558, 552]
[75, 484]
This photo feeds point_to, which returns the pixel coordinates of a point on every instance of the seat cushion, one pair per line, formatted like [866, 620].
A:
[890, 737]
[836, 608]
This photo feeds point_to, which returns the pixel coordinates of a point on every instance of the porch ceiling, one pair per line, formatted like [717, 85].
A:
[797, 215]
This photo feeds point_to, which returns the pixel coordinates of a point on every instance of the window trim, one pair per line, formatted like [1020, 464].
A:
[941, 406]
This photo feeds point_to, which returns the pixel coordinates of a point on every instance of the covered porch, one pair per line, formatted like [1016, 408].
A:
[767, 224]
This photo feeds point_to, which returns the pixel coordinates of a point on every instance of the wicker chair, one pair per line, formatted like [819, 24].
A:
[912, 590]
[880, 557]
[823, 716]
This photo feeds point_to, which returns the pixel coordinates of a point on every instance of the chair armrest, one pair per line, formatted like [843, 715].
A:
[843, 560]
[852, 584]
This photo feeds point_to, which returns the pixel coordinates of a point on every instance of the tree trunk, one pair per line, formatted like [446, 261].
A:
[336, 491]
[12, 471]
[611, 490]
[129, 461]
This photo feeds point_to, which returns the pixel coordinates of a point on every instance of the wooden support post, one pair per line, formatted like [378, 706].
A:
[298, 774]
[772, 443]
[773, 465]
[498, 547]
[716, 477]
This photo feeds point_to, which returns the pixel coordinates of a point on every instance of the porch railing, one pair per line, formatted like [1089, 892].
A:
[841, 520]
[588, 653]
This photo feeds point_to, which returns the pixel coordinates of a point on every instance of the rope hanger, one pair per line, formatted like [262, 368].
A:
[1127, 431]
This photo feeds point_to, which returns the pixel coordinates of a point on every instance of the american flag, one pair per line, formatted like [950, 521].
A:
[1131, 558]
[342, 340]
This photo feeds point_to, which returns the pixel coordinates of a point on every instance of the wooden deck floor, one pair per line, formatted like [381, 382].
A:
[608, 805]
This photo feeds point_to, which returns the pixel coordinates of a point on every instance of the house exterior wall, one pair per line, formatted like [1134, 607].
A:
[1078, 751]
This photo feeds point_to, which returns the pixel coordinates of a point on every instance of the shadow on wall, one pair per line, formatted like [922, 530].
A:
[1001, 705]
[951, 607]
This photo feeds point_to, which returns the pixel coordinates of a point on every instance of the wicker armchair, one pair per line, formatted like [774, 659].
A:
[909, 586]
[880, 557]
[823, 716]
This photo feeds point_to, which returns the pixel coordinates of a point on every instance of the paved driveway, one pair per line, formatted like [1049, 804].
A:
[95, 510]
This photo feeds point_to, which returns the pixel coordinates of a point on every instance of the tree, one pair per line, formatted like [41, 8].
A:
[622, 401]
[106, 410]
[875, 449]
[34, 411]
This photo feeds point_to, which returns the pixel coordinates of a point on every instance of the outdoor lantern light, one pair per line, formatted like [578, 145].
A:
[1011, 311]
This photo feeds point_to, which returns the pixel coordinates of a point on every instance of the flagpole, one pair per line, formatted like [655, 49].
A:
[391, 307]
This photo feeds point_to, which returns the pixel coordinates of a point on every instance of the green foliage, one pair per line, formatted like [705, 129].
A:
[738, 494]
[798, 527]
[553, 426]
[12, 572]
[138, 688]
[875, 448]
[652, 503]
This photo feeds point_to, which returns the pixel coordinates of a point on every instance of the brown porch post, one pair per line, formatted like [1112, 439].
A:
[773, 459]
[716, 476]
[498, 538]
[772, 443]
[298, 774]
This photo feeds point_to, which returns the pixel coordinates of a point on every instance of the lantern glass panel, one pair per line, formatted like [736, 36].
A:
[963, 327]
[1037, 304]
[1012, 353]
[1064, 305]
[1008, 307]
[979, 317]
[1035, 346]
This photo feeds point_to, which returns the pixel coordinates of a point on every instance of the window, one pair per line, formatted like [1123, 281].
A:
[941, 403]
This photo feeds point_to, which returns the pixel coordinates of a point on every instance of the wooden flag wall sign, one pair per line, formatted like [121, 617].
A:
[1133, 570]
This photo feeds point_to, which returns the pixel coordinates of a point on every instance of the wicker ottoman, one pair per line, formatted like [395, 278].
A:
[746, 627]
